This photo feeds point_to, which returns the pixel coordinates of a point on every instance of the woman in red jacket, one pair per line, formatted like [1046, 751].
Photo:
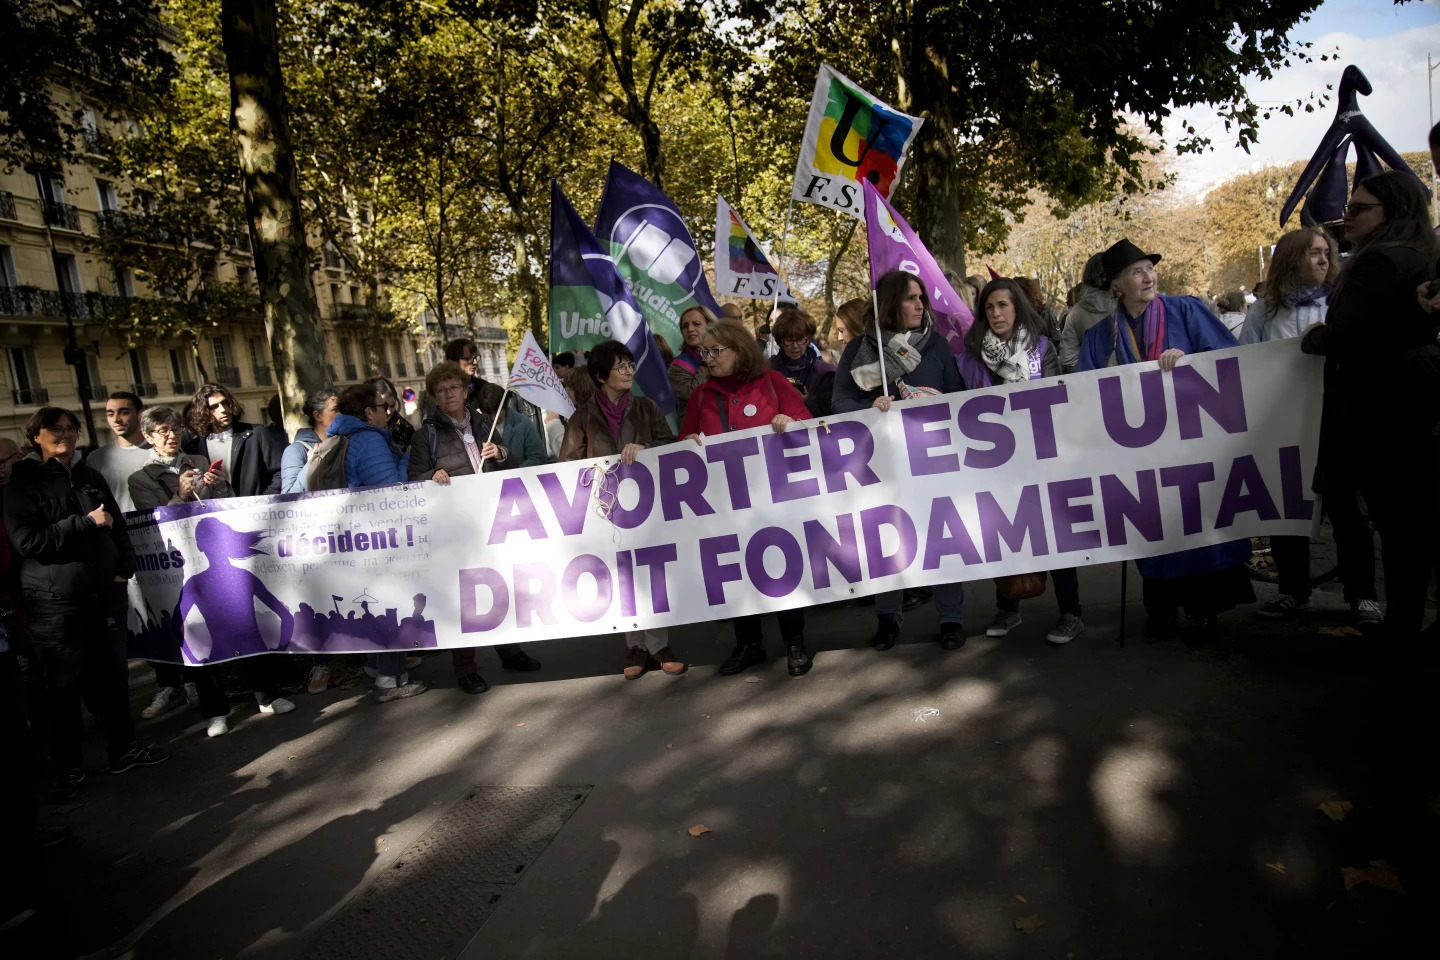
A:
[744, 392]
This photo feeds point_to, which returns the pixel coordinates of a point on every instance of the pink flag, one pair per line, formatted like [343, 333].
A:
[894, 246]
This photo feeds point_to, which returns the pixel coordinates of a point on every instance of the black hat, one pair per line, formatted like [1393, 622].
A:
[1120, 256]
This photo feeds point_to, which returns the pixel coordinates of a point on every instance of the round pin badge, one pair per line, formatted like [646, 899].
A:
[750, 409]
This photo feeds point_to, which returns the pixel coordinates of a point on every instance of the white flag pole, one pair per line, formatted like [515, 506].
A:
[780, 263]
[880, 340]
[495, 421]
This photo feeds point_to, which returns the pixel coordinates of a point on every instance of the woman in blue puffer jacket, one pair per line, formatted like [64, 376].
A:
[370, 457]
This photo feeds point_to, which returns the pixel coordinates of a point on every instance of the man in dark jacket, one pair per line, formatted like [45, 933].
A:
[249, 453]
[74, 557]
[249, 456]
[452, 443]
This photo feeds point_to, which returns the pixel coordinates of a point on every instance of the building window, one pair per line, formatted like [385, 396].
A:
[105, 192]
[245, 276]
[26, 378]
[8, 277]
[180, 381]
[332, 256]
[98, 390]
[355, 295]
[140, 381]
[124, 281]
[67, 273]
[226, 371]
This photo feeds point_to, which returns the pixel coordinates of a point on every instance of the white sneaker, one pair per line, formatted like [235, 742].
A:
[319, 680]
[192, 696]
[218, 727]
[1366, 612]
[278, 705]
[165, 699]
[1068, 628]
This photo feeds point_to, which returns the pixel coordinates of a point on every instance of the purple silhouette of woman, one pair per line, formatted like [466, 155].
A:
[225, 595]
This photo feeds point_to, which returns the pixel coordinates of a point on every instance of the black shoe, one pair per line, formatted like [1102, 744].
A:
[887, 631]
[797, 661]
[914, 597]
[473, 683]
[520, 661]
[952, 636]
[46, 837]
[66, 786]
[866, 601]
[743, 657]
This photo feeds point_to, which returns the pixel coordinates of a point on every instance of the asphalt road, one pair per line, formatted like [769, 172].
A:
[1010, 799]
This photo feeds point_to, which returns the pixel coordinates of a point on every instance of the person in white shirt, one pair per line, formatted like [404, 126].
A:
[130, 451]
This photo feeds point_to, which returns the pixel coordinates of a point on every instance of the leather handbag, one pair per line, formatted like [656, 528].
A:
[1021, 586]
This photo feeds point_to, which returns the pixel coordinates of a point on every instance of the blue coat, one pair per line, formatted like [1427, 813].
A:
[1191, 327]
[524, 441]
[369, 460]
[294, 459]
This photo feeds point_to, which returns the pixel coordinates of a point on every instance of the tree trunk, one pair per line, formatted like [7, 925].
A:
[259, 118]
[831, 269]
[937, 197]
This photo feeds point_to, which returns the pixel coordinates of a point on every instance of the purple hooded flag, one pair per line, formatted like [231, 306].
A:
[589, 303]
[894, 246]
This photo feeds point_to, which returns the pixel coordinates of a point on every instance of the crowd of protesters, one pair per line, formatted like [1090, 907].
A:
[65, 558]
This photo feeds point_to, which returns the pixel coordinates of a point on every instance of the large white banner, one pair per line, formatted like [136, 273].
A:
[1087, 468]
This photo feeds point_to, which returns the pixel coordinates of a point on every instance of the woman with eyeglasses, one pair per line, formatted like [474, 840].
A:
[1302, 275]
[401, 430]
[616, 422]
[1381, 411]
[918, 362]
[370, 457]
[744, 391]
[687, 370]
[799, 360]
[75, 557]
[1205, 581]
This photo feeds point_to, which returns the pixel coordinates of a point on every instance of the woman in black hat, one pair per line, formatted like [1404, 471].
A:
[1206, 581]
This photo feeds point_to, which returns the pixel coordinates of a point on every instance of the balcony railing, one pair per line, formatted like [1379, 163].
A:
[34, 302]
[351, 373]
[62, 215]
[137, 227]
[7, 205]
[229, 376]
[145, 389]
[493, 334]
[262, 375]
[99, 393]
[182, 388]
[37, 397]
[349, 312]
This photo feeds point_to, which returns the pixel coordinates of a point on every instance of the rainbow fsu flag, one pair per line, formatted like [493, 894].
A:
[849, 137]
[742, 269]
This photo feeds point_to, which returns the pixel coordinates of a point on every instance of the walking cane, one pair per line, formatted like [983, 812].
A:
[1124, 574]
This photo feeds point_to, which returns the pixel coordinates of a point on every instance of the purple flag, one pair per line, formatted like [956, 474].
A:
[894, 246]
[589, 302]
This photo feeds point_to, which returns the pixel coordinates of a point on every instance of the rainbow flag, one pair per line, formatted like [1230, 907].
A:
[850, 137]
[742, 269]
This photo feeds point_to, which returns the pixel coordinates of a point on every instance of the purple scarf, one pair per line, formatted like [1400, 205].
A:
[613, 410]
[1154, 330]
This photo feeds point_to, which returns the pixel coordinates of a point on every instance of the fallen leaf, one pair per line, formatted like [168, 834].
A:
[292, 756]
[1028, 924]
[699, 830]
[1336, 809]
[1340, 632]
[519, 724]
[669, 745]
[752, 679]
[1277, 867]
[1021, 899]
[1378, 874]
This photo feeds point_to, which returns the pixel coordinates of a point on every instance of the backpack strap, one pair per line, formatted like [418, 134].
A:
[432, 441]
[724, 414]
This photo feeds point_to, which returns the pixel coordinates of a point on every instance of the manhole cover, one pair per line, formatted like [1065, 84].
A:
[432, 900]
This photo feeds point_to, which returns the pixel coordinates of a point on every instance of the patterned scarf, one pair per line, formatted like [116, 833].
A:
[1153, 331]
[903, 352]
[467, 440]
[1013, 361]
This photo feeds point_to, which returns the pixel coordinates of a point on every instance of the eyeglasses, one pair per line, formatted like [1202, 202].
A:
[70, 431]
[165, 431]
[795, 341]
[712, 353]
[468, 357]
[624, 366]
[1351, 209]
